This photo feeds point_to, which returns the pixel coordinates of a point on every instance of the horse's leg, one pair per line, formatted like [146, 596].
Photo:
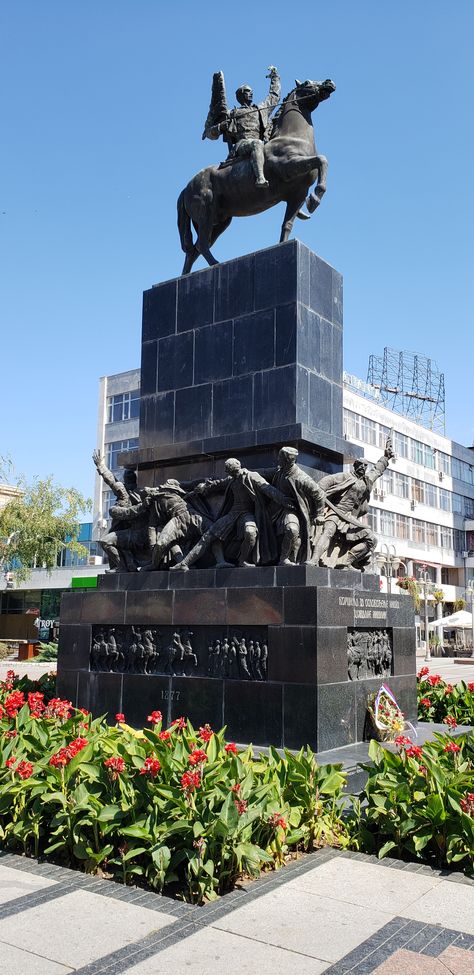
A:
[314, 198]
[296, 166]
[205, 226]
[191, 257]
[218, 229]
[292, 207]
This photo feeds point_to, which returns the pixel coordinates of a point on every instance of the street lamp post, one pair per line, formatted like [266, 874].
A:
[388, 559]
[470, 592]
[427, 587]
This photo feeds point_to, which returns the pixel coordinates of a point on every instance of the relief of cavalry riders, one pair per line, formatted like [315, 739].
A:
[270, 161]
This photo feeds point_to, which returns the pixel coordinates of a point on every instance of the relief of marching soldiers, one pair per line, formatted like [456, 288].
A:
[276, 516]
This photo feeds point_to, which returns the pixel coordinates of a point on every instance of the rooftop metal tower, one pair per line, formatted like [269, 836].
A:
[410, 384]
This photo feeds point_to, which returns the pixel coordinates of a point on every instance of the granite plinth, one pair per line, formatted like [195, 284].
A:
[305, 692]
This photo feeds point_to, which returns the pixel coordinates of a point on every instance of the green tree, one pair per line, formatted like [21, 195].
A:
[38, 523]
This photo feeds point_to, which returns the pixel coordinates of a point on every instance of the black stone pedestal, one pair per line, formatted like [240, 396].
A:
[306, 691]
[239, 360]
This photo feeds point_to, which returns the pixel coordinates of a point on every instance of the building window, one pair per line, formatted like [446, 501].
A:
[124, 406]
[371, 519]
[351, 425]
[384, 432]
[459, 540]
[458, 504]
[417, 452]
[469, 507]
[431, 495]
[432, 534]
[401, 485]
[402, 526]
[368, 430]
[419, 531]
[400, 444]
[385, 483]
[444, 462]
[387, 523]
[418, 491]
[429, 456]
[115, 448]
[444, 500]
[446, 535]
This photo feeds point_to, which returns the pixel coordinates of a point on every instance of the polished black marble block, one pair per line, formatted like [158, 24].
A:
[304, 620]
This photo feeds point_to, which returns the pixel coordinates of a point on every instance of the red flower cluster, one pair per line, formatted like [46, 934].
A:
[155, 717]
[190, 781]
[24, 769]
[414, 751]
[206, 733]
[36, 704]
[231, 747]
[197, 757]
[434, 679]
[240, 805]
[402, 740]
[467, 804]
[449, 689]
[423, 672]
[58, 709]
[165, 736]
[425, 701]
[151, 767]
[470, 686]
[450, 720]
[14, 702]
[120, 718]
[236, 787]
[10, 761]
[115, 766]
[11, 734]
[452, 747]
[276, 820]
[179, 724]
[62, 758]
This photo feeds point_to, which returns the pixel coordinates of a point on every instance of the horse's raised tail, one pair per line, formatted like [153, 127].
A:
[184, 225]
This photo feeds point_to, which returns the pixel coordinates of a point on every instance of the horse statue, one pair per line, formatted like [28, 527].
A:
[291, 165]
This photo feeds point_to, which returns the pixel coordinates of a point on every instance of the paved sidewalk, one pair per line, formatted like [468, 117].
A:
[330, 912]
[448, 669]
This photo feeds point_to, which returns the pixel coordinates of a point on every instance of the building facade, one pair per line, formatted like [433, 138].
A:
[117, 430]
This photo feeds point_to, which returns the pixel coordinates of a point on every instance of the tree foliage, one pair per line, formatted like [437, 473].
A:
[38, 523]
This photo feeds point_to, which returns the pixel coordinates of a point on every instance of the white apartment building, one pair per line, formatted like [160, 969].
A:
[422, 508]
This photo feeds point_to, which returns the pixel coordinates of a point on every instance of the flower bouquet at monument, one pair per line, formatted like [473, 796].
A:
[385, 720]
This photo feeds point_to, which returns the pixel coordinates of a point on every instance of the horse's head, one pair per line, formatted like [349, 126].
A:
[311, 93]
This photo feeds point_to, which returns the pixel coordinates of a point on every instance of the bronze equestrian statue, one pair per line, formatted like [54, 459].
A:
[270, 161]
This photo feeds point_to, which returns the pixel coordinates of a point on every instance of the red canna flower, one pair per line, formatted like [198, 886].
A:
[276, 820]
[24, 770]
[10, 761]
[467, 804]
[450, 720]
[236, 787]
[179, 724]
[190, 781]
[452, 747]
[115, 765]
[402, 740]
[58, 708]
[151, 766]
[425, 701]
[84, 711]
[231, 748]
[155, 717]
[470, 686]
[197, 757]
[76, 746]
[14, 702]
[423, 672]
[435, 679]
[206, 733]
[165, 736]
[240, 805]
[120, 718]
[414, 751]
[11, 734]
[61, 758]
[36, 704]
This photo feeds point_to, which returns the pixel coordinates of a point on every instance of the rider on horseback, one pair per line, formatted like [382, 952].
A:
[245, 128]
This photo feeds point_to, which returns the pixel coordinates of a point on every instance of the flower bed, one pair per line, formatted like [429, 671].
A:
[419, 802]
[182, 809]
[442, 702]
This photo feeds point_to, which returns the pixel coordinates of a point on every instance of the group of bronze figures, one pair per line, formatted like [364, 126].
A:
[280, 515]
[178, 653]
[369, 654]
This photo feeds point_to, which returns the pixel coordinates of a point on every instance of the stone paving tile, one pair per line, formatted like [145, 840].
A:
[14, 883]
[14, 961]
[457, 960]
[214, 952]
[404, 962]
[451, 905]
[80, 927]
[327, 929]
[366, 884]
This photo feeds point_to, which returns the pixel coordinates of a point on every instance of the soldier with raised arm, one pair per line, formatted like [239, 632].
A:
[245, 129]
[345, 541]
[128, 535]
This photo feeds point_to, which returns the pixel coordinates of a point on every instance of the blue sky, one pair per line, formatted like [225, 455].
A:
[103, 103]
